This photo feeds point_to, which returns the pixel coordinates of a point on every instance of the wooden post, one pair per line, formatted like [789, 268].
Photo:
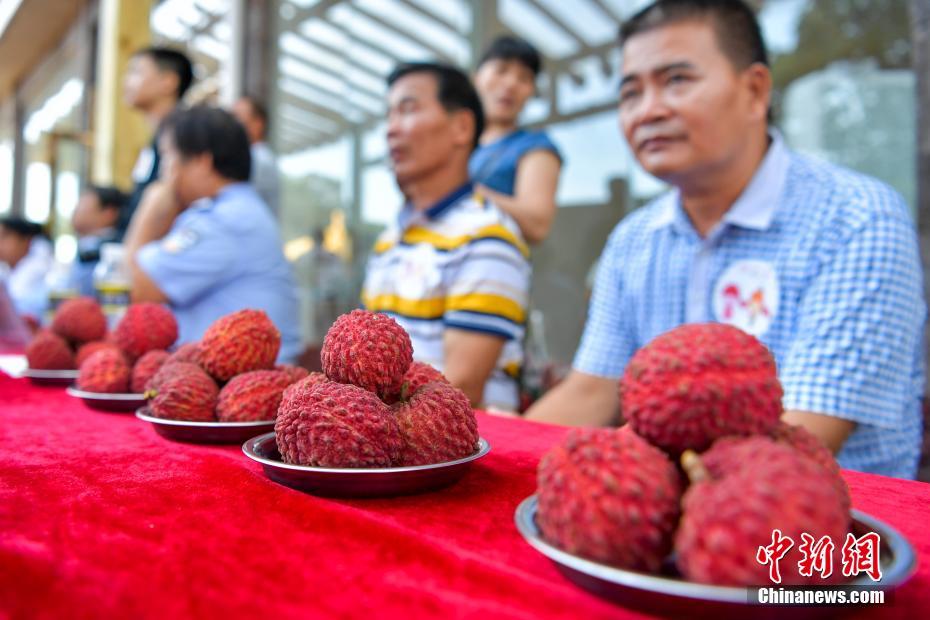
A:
[119, 132]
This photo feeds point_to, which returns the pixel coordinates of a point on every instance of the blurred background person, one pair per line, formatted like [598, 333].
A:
[95, 221]
[254, 117]
[156, 80]
[453, 269]
[25, 258]
[207, 246]
[517, 169]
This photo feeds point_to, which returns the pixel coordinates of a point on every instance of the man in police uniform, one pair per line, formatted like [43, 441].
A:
[254, 117]
[203, 241]
[820, 263]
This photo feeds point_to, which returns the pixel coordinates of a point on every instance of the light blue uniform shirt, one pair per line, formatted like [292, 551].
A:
[819, 262]
[224, 255]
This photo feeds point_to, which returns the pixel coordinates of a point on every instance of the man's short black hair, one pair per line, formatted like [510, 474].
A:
[454, 90]
[513, 48]
[734, 22]
[109, 197]
[205, 129]
[175, 61]
[21, 227]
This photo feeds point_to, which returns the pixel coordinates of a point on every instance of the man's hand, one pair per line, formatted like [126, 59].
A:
[832, 431]
[580, 400]
[152, 220]
[470, 357]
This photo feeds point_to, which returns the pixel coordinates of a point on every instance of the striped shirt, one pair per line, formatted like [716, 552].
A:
[819, 262]
[460, 264]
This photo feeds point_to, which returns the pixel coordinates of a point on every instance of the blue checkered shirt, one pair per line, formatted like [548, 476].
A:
[845, 313]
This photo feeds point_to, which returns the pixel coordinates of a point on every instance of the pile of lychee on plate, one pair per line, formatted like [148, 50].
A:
[117, 362]
[701, 474]
[373, 406]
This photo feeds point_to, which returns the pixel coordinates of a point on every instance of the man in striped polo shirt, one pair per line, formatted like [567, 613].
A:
[453, 270]
[819, 262]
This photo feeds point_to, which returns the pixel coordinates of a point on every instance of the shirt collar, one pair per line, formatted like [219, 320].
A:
[756, 206]
[231, 190]
[226, 193]
[407, 214]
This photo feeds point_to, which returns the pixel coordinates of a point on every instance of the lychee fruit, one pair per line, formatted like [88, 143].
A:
[49, 351]
[80, 320]
[697, 383]
[608, 495]
[730, 453]
[145, 327]
[438, 425]
[187, 352]
[296, 373]
[253, 395]
[105, 371]
[165, 371]
[369, 350]
[418, 375]
[239, 342]
[184, 392]
[306, 383]
[89, 348]
[145, 368]
[730, 518]
[337, 425]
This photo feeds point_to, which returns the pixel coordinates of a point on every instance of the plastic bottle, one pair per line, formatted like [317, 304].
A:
[60, 287]
[112, 283]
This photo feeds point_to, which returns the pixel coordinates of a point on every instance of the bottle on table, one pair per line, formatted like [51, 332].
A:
[60, 287]
[112, 283]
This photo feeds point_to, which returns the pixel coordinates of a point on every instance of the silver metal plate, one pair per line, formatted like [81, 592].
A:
[673, 596]
[119, 403]
[367, 482]
[50, 377]
[204, 432]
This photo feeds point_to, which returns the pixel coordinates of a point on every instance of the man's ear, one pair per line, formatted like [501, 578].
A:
[170, 82]
[204, 161]
[464, 128]
[758, 80]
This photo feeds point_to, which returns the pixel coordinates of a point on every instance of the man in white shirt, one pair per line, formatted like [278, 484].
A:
[254, 117]
[25, 258]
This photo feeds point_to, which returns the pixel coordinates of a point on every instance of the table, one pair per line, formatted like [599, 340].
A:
[102, 518]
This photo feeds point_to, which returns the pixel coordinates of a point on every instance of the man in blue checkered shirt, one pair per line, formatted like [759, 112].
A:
[820, 263]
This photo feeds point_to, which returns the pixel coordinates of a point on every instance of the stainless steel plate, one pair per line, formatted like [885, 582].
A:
[671, 595]
[121, 403]
[50, 377]
[369, 482]
[204, 432]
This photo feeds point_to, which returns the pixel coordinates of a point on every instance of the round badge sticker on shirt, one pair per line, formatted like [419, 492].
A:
[746, 296]
[420, 275]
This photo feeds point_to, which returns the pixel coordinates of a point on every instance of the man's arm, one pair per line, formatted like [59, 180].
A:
[470, 358]
[533, 203]
[152, 221]
[852, 359]
[831, 430]
[580, 400]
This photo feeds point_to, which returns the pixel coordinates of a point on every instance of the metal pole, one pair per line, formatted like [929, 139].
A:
[920, 50]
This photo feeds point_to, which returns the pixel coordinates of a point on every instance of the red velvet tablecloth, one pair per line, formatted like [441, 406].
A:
[102, 518]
